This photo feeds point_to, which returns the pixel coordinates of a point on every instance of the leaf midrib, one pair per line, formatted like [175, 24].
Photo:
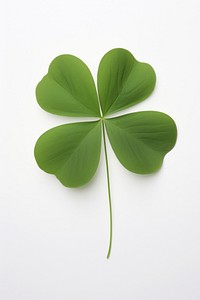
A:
[69, 157]
[69, 92]
[139, 140]
[120, 92]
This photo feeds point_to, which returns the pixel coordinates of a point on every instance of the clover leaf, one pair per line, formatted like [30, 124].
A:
[71, 152]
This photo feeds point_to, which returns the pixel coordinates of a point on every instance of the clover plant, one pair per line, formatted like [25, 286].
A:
[71, 152]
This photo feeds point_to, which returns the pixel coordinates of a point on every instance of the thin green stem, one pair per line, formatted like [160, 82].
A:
[108, 183]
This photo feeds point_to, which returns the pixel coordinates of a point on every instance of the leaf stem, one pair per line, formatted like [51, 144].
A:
[108, 183]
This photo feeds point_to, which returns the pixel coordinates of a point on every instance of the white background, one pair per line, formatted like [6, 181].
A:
[53, 240]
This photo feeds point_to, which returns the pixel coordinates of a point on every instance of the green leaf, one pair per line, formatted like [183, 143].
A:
[68, 89]
[70, 151]
[123, 81]
[141, 140]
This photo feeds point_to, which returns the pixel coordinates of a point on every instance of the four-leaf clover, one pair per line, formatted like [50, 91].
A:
[71, 152]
